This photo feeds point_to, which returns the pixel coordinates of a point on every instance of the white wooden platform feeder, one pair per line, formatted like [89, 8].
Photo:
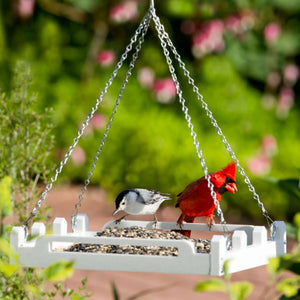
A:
[250, 248]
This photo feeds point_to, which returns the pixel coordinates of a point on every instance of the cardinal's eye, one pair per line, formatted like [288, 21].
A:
[229, 180]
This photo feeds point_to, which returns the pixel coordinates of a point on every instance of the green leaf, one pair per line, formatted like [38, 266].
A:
[77, 297]
[274, 264]
[70, 292]
[5, 196]
[213, 285]
[7, 269]
[115, 291]
[297, 220]
[240, 290]
[58, 286]
[180, 8]
[6, 249]
[297, 224]
[288, 262]
[83, 283]
[59, 271]
[226, 269]
[289, 286]
[30, 288]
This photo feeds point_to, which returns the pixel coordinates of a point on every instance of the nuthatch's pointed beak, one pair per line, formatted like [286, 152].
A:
[116, 211]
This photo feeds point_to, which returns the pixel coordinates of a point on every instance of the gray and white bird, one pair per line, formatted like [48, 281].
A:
[139, 202]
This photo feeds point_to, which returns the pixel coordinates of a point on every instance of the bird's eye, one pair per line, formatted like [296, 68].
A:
[123, 203]
[229, 180]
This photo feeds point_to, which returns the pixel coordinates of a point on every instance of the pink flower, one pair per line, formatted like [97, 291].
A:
[78, 156]
[269, 145]
[260, 164]
[216, 27]
[146, 77]
[209, 39]
[106, 58]
[164, 90]
[98, 121]
[272, 32]
[290, 74]
[285, 102]
[25, 8]
[124, 12]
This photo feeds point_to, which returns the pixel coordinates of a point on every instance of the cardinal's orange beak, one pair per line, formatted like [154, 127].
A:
[231, 187]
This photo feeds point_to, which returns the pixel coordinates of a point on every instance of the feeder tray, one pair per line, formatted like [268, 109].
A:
[249, 248]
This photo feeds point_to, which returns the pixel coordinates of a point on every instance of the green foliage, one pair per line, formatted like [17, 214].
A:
[58, 271]
[115, 291]
[25, 148]
[235, 290]
[288, 288]
[181, 8]
[289, 262]
[297, 225]
[212, 285]
[26, 142]
[5, 197]
[240, 290]
[19, 283]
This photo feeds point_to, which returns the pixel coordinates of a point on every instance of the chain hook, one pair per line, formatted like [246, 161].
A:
[73, 221]
[25, 230]
[74, 216]
[272, 231]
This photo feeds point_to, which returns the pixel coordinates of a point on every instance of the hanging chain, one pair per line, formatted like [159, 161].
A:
[86, 122]
[145, 27]
[213, 120]
[161, 35]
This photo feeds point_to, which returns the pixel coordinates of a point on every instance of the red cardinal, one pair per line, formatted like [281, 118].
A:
[196, 200]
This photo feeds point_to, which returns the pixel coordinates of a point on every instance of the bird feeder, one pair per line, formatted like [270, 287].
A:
[250, 247]
[244, 246]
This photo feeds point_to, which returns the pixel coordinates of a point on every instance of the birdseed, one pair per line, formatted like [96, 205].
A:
[201, 246]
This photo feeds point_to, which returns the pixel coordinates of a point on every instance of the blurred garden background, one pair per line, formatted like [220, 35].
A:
[243, 55]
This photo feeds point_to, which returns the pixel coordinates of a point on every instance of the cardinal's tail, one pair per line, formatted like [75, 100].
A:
[188, 219]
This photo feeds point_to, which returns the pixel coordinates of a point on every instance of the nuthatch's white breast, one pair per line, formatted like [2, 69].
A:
[139, 202]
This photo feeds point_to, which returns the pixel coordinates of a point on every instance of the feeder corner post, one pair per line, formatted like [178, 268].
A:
[218, 249]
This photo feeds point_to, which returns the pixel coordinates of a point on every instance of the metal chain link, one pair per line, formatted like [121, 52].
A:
[80, 132]
[145, 23]
[212, 119]
[161, 34]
